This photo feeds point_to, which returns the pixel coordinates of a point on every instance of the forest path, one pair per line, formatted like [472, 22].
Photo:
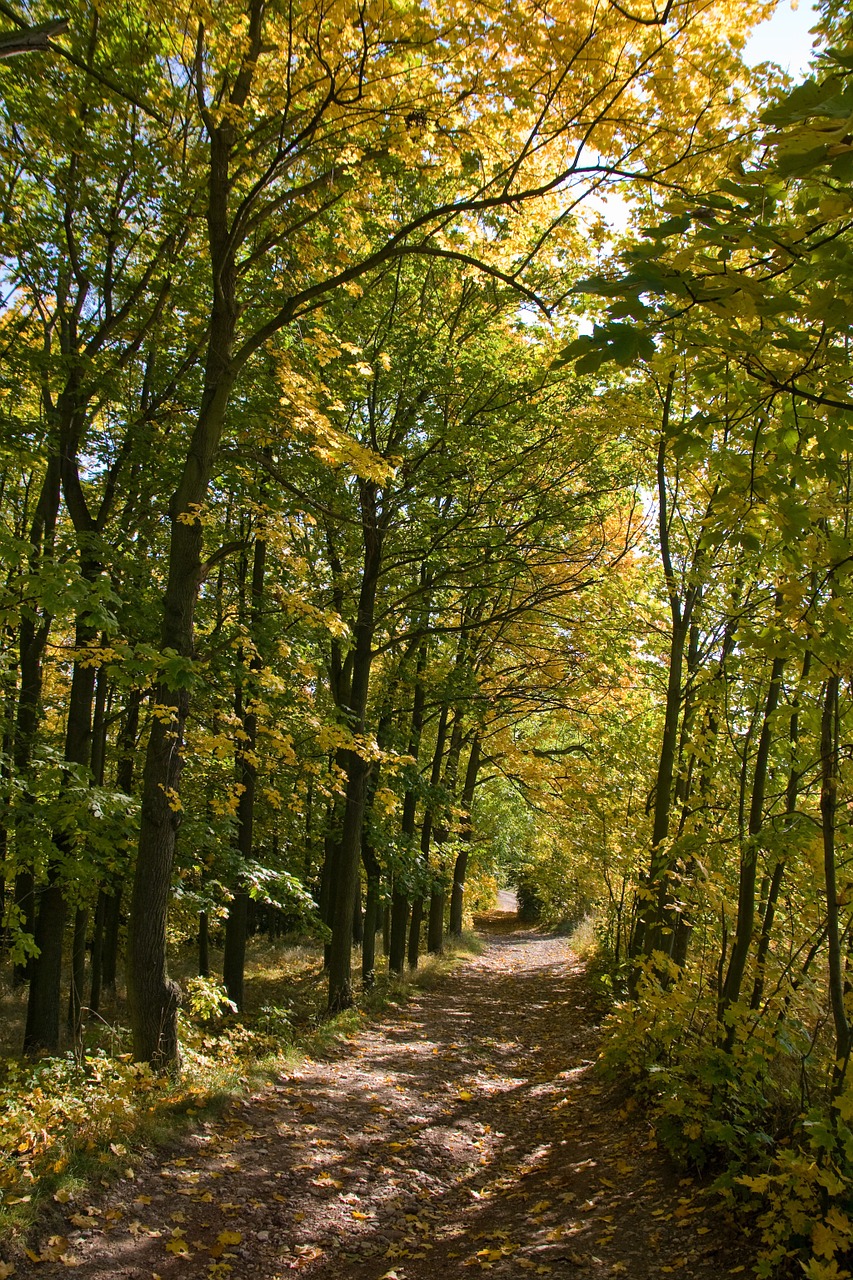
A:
[460, 1134]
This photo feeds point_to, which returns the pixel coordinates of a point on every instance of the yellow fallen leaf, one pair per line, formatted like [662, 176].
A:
[62, 1196]
[6, 1269]
[229, 1237]
[465, 1096]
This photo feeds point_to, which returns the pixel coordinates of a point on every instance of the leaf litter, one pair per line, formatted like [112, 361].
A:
[462, 1134]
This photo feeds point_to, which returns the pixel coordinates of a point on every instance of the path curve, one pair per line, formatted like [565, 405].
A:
[462, 1133]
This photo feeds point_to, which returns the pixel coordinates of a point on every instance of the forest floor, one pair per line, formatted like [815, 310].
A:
[464, 1132]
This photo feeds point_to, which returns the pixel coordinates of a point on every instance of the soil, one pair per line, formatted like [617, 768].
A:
[462, 1133]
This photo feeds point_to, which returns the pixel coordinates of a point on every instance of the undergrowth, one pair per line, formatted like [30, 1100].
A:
[748, 1101]
[82, 1120]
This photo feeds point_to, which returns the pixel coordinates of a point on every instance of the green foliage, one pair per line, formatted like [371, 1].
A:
[207, 1000]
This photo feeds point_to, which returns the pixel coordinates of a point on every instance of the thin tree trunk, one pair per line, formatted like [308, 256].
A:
[426, 832]
[371, 915]
[438, 892]
[78, 976]
[97, 973]
[340, 957]
[236, 924]
[204, 946]
[125, 766]
[749, 856]
[778, 873]
[43, 1005]
[828, 807]
[33, 636]
[457, 897]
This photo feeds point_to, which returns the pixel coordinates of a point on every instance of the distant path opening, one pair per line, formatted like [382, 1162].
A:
[508, 900]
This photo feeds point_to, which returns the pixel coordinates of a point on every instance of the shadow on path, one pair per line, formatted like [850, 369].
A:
[459, 1134]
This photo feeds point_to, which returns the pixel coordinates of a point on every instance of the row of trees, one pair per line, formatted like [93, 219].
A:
[723, 850]
[292, 505]
[313, 498]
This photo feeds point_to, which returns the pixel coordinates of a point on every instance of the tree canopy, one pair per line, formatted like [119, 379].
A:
[377, 519]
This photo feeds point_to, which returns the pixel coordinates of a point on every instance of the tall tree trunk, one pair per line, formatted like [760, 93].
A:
[77, 989]
[97, 758]
[828, 807]
[33, 636]
[426, 831]
[43, 1006]
[340, 956]
[399, 921]
[749, 854]
[126, 759]
[153, 996]
[778, 873]
[655, 891]
[438, 892]
[371, 914]
[457, 896]
[234, 959]
[204, 946]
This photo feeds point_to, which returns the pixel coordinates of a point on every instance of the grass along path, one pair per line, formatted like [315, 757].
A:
[462, 1133]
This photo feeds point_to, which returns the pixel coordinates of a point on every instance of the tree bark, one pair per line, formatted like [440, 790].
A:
[340, 955]
[43, 1005]
[749, 855]
[153, 996]
[426, 832]
[829, 767]
[457, 896]
[236, 924]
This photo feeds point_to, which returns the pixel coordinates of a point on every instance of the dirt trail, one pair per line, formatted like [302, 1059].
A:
[460, 1134]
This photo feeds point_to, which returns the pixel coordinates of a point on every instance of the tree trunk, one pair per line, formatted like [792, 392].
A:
[112, 928]
[340, 955]
[459, 871]
[33, 636]
[204, 946]
[415, 924]
[43, 1006]
[153, 997]
[78, 976]
[357, 920]
[438, 892]
[749, 855]
[97, 973]
[371, 916]
[828, 806]
[777, 875]
[236, 925]
[399, 920]
[426, 832]
[435, 932]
